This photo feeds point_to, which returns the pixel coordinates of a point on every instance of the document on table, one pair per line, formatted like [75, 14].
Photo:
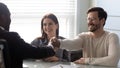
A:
[64, 66]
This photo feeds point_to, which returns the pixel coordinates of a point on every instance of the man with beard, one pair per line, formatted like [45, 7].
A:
[100, 47]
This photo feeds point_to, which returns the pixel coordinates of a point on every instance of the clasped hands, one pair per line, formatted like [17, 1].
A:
[56, 45]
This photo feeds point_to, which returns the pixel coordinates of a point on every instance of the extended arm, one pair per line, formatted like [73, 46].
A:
[72, 44]
[19, 48]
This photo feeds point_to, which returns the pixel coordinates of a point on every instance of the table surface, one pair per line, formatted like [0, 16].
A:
[43, 64]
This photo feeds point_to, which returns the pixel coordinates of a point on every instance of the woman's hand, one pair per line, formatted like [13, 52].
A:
[52, 59]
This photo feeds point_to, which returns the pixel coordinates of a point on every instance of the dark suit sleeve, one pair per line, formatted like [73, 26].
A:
[19, 48]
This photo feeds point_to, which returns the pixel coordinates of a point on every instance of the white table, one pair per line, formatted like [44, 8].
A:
[42, 64]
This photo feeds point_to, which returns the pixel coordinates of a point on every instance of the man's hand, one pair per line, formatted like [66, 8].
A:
[55, 42]
[80, 61]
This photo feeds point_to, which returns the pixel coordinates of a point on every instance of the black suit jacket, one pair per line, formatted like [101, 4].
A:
[20, 50]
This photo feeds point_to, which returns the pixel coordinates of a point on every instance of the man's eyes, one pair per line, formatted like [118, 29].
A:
[91, 19]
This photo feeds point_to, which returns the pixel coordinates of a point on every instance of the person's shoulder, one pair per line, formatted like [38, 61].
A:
[15, 33]
[8, 32]
[38, 38]
[60, 37]
[11, 33]
[111, 34]
[84, 34]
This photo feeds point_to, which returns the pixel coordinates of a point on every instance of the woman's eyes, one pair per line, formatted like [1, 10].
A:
[48, 24]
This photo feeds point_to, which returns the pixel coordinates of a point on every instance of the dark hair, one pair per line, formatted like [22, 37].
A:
[101, 12]
[52, 17]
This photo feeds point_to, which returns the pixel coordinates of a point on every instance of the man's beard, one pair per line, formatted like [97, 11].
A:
[93, 27]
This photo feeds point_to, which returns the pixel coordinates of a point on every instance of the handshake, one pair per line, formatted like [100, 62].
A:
[54, 43]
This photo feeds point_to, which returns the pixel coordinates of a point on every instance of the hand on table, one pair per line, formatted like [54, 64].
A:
[52, 59]
[80, 61]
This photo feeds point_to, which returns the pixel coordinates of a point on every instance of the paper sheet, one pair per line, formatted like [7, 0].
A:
[64, 66]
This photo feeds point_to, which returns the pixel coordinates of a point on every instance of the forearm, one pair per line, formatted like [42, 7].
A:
[38, 52]
[104, 61]
[74, 44]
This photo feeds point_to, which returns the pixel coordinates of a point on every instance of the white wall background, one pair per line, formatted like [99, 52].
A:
[81, 8]
[26, 16]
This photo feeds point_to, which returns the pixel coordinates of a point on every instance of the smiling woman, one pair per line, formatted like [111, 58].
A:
[26, 16]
